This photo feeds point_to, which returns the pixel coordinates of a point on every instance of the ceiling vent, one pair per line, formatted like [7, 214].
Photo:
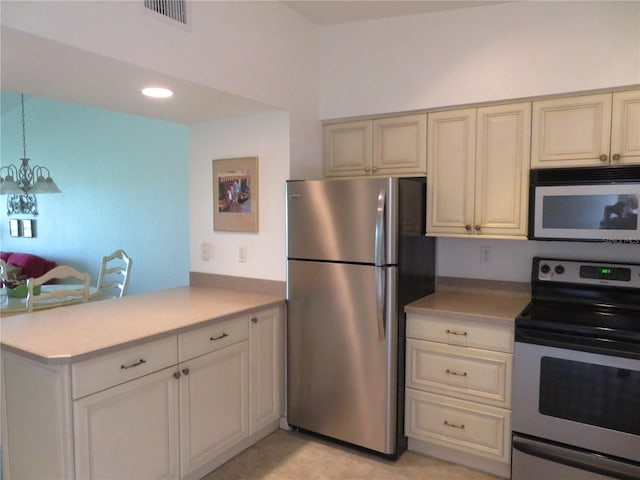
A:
[173, 9]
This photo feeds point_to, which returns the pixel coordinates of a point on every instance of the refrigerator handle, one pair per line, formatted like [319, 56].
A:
[380, 240]
[381, 290]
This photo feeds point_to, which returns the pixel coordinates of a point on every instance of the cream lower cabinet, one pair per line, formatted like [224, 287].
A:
[586, 130]
[478, 171]
[458, 396]
[129, 431]
[174, 408]
[382, 146]
[213, 406]
[266, 369]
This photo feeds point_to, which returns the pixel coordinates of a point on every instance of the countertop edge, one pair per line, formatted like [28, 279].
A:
[274, 301]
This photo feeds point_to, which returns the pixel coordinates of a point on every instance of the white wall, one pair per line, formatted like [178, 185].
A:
[260, 50]
[124, 185]
[508, 50]
[267, 137]
[502, 51]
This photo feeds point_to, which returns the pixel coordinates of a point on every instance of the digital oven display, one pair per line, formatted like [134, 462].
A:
[605, 273]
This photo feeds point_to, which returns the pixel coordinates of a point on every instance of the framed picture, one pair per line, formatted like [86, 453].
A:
[235, 194]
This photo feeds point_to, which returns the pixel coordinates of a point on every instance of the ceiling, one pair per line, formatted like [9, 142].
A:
[332, 12]
[36, 66]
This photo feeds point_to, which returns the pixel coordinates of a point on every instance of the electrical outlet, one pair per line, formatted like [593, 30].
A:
[205, 251]
[485, 254]
[242, 254]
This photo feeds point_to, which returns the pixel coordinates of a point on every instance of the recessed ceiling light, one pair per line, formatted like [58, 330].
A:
[157, 92]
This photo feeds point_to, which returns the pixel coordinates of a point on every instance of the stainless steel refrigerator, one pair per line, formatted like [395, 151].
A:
[356, 254]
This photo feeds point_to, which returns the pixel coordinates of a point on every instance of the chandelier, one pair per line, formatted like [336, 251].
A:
[22, 183]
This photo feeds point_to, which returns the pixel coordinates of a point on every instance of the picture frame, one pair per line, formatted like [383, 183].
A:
[235, 194]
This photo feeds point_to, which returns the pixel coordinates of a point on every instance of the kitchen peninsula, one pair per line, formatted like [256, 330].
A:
[86, 384]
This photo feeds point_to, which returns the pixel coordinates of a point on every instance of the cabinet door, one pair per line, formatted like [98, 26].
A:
[213, 405]
[571, 132]
[129, 431]
[502, 169]
[451, 171]
[347, 149]
[266, 371]
[400, 145]
[625, 128]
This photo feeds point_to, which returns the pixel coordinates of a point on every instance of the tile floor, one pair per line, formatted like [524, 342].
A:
[287, 455]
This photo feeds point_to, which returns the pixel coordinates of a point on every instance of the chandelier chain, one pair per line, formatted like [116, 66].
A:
[24, 136]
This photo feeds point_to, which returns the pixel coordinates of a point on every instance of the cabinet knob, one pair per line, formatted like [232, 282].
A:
[254, 319]
[467, 228]
[603, 158]
[185, 371]
[176, 375]
[616, 157]
[367, 169]
[375, 169]
[477, 227]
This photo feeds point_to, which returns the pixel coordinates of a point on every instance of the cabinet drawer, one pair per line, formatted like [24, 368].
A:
[468, 333]
[468, 373]
[212, 337]
[102, 372]
[466, 426]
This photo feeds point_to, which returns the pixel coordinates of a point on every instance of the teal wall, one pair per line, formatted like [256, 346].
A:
[124, 180]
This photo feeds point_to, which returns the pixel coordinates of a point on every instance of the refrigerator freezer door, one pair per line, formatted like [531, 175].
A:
[341, 365]
[352, 220]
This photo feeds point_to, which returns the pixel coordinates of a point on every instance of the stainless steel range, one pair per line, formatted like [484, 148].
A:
[576, 389]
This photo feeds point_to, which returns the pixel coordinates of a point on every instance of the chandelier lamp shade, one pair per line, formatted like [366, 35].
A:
[22, 183]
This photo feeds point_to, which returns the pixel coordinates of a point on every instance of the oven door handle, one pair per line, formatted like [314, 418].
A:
[585, 344]
[591, 462]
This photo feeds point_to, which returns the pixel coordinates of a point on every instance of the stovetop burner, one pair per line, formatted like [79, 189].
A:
[592, 320]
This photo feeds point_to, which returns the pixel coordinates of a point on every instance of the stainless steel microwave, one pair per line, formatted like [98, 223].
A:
[597, 204]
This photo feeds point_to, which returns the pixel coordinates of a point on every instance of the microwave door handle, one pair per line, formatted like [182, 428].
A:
[380, 237]
[584, 461]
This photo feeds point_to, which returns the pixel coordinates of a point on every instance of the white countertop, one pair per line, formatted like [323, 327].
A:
[496, 307]
[77, 332]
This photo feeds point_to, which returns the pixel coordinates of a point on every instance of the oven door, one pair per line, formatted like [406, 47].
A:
[578, 398]
[533, 459]
[586, 212]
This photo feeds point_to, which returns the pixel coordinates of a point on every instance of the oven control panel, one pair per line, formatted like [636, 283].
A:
[589, 273]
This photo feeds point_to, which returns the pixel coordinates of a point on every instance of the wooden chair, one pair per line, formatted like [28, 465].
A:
[3, 271]
[113, 280]
[62, 272]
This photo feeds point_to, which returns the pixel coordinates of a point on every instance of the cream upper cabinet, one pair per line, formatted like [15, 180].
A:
[625, 128]
[347, 148]
[384, 146]
[478, 171]
[587, 130]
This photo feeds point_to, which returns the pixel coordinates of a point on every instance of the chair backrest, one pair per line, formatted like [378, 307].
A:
[114, 275]
[61, 272]
[3, 271]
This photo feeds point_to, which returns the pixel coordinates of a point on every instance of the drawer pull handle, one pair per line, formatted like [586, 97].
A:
[454, 332]
[254, 319]
[139, 362]
[454, 425]
[453, 372]
[176, 375]
[219, 337]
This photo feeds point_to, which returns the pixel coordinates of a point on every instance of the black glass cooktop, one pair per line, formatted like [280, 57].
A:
[601, 321]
